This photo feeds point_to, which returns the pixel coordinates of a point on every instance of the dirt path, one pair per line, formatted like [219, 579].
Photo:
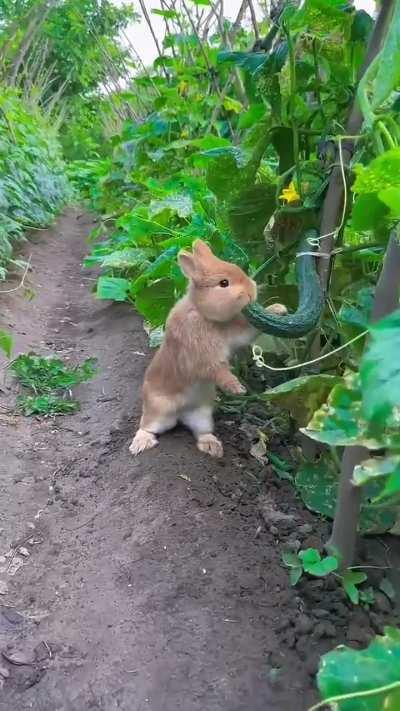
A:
[150, 583]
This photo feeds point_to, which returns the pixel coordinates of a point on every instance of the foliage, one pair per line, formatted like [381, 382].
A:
[33, 186]
[363, 410]
[50, 380]
[310, 562]
[368, 679]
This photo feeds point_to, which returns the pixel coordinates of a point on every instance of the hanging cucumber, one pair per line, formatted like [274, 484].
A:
[311, 300]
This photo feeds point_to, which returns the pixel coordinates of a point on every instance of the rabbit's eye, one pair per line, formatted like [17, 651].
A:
[224, 283]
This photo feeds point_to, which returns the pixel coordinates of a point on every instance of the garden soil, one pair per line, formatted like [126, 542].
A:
[149, 584]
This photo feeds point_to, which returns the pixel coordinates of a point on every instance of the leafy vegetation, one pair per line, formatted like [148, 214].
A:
[272, 149]
[249, 166]
[50, 380]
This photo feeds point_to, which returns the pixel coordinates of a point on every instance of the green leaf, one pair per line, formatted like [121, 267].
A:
[126, 258]
[295, 575]
[386, 586]
[44, 375]
[382, 172]
[391, 198]
[6, 343]
[250, 211]
[377, 468]
[112, 288]
[338, 423]
[379, 370]
[368, 213]
[181, 205]
[350, 580]
[348, 671]
[155, 301]
[315, 565]
[302, 396]
[231, 104]
[387, 77]
[46, 405]
[249, 61]
[317, 484]
[290, 559]
[362, 26]
[252, 116]
[168, 14]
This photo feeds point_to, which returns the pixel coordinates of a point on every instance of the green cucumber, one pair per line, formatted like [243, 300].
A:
[311, 301]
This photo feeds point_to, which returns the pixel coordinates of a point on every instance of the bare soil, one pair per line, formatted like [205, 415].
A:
[150, 584]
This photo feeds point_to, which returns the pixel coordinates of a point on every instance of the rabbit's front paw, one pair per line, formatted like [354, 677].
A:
[236, 388]
[277, 309]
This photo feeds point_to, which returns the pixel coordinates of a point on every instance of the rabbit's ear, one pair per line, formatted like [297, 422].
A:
[187, 263]
[201, 250]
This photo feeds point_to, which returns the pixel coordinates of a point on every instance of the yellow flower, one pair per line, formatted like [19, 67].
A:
[183, 87]
[290, 194]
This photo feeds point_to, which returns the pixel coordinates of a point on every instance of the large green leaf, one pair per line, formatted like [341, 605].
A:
[126, 258]
[337, 423]
[321, 18]
[315, 565]
[380, 371]
[249, 61]
[382, 172]
[349, 671]
[250, 211]
[179, 204]
[302, 396]
[387, 77]
[369, 212]
[155, 301]
[112, 288]
[317, 484]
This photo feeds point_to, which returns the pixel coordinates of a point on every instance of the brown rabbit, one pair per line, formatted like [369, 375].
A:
[203, 330]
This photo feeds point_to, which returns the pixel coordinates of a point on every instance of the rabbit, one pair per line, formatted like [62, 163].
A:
[202, 331]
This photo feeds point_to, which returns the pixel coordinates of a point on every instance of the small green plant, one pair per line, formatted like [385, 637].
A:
[50, 381]
[311, 562]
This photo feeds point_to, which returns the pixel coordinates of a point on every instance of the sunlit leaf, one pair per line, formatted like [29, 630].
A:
[112, 288]
[348, 671]
[350, 580]
[379, 370]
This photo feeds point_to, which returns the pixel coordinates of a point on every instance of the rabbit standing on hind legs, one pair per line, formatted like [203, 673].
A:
[202, 331]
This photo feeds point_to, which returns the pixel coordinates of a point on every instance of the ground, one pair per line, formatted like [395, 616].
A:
[151, 583]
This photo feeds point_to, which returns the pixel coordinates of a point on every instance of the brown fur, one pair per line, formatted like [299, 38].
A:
[202, 332]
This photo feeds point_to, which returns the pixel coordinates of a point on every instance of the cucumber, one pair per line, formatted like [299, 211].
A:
[311, 301]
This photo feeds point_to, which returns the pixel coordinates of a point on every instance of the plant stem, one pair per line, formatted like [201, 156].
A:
[317, 78]
[356, 695]
[292, 99]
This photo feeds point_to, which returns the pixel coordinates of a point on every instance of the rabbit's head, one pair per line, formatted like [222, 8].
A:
[219, 290]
